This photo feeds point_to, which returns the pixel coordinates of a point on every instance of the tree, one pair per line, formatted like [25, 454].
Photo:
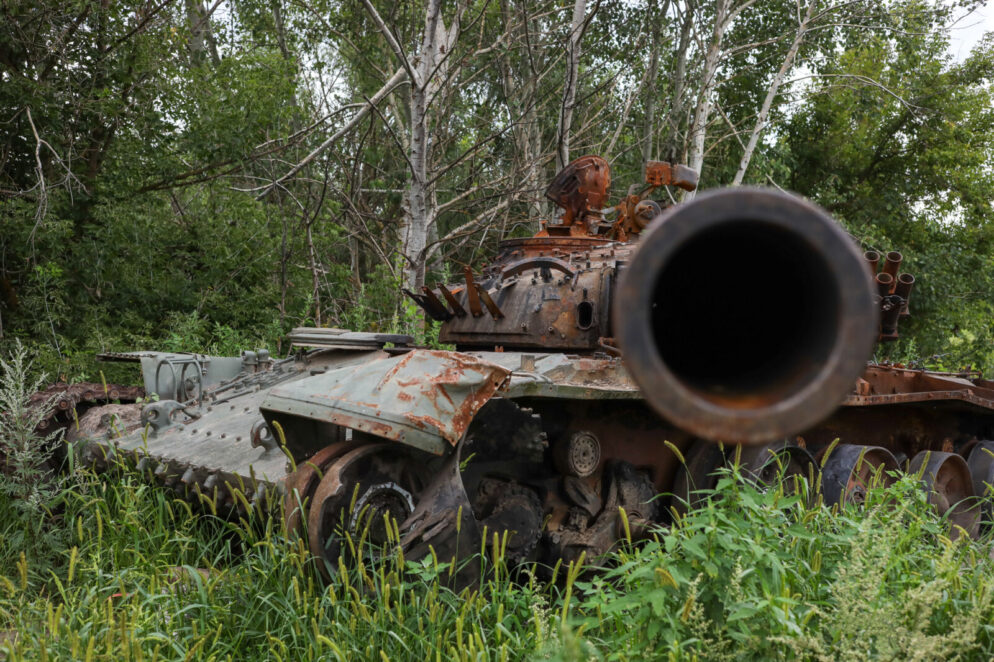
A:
[216, 173]
[897, 141]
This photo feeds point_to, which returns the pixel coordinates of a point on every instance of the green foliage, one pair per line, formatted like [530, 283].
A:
[29, 489]
[129, 219]
[897, 142]
[762, 575]
[751, 574]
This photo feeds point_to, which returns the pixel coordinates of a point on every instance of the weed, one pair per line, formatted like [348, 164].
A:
[750, 574]
[29, 489]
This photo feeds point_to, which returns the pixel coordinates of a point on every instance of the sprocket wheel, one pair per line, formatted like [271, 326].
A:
[359, 490]
[852, 469]
[300, 485]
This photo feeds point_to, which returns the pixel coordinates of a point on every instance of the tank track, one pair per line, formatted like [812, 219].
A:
[67, 405]
[71, 401]
[212, 488]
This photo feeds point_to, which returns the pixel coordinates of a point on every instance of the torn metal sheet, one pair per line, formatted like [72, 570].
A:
[423, 398]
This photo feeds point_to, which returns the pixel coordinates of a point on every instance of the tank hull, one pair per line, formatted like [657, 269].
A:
[527, 421]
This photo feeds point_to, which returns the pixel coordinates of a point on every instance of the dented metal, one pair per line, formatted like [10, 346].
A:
[423, 398]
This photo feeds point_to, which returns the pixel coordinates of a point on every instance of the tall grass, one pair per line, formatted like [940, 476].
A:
[750, 574]
[146, 578]
[109, 568]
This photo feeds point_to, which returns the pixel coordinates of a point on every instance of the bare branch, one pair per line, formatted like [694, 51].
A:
[771, 94]
[624, 115]
[42, 190]
[448, 204]
[866, 80]
[471, 226]
[392, 41]
[400, 76]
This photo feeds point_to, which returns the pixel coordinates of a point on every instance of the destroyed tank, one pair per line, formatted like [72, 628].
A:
[594, 367]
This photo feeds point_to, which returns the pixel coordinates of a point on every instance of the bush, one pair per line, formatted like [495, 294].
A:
[30, 490]
[757, 574]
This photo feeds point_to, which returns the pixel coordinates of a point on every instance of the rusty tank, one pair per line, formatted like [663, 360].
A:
[594, 367]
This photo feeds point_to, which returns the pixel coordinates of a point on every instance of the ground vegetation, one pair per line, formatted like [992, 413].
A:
[106, 566]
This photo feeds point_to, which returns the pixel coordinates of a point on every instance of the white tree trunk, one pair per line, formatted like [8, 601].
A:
[520, 82]
[649, 127]
[771, 94]
[418, 216]
[674, 148]
[699, 126]
[430, 69]
[570, 85]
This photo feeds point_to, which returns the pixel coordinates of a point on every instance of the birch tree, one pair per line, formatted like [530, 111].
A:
[577, 27]
[803, 22]
[649, 127]
[522, 67]
[672, 147]
[724, 12]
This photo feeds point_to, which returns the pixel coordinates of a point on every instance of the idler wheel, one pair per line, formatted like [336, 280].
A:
[381, 499]
[361, 487]
[300, 485]
[981, 463]
[851, 470]
[947, 479]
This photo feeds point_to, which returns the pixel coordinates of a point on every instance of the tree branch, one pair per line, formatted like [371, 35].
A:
[399, 77]
[392, 41]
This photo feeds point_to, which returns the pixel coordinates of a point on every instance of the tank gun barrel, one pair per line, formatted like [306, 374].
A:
[746, 315]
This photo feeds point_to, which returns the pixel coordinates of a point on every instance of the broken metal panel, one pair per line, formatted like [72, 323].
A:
[556, 375]
[472, 294]
[430, 304]
[882, 384]
[457, 308]
[424, 398]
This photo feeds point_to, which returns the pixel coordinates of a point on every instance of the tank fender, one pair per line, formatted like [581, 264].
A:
[422, 398]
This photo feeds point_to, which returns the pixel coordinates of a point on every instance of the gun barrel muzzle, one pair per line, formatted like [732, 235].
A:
[746, 315]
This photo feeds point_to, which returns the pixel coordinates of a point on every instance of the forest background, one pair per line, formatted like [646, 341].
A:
[196, 176]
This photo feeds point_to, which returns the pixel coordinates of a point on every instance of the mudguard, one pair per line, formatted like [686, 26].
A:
[422, 398]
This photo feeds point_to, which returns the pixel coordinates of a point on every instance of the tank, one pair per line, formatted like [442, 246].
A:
[594, 367]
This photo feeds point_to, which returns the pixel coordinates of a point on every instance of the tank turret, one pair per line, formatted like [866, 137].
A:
[744, 316]
[553, 291]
